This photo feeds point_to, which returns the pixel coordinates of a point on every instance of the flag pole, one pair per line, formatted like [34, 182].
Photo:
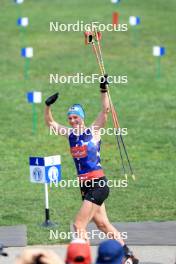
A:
[34, 118]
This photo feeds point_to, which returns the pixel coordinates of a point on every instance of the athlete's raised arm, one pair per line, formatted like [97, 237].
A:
[103, 115]
[49, 120]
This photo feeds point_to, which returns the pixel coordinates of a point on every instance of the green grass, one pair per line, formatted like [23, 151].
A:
[146, 106]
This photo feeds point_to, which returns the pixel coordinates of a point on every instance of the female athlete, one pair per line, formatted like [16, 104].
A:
[85, 150]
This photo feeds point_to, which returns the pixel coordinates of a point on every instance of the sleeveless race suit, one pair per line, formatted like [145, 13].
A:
[86, 155]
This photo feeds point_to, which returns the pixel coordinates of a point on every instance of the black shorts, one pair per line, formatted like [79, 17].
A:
[95, 191]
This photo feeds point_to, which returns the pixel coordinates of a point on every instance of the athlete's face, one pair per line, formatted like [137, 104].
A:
[75, 121]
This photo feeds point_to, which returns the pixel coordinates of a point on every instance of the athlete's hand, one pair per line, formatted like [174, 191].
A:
[52, 99]
[104, 84]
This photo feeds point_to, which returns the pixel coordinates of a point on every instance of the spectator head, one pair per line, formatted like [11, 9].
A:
[78, 252]
[110, 252]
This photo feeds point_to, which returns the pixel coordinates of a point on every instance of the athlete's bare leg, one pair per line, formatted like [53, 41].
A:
[90, 211]
[102, 222]
[84, 216]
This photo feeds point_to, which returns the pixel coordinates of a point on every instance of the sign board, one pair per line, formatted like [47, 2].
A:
[45, 169]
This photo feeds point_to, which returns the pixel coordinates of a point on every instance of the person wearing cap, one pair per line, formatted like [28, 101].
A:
[85, 149]
[111, 252]
[78, 251]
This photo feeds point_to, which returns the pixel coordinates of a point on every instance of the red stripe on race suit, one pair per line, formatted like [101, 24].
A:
[91, 175]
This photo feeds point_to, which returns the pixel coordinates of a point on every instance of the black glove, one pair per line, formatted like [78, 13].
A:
[104, 84]
[52, 99]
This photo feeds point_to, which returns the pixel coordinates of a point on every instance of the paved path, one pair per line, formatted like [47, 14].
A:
[147, 254]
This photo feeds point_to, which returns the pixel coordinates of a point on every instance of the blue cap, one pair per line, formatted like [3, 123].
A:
[110, 252]
[76, 109]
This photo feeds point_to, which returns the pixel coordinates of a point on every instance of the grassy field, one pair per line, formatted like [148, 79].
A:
[146, 106]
